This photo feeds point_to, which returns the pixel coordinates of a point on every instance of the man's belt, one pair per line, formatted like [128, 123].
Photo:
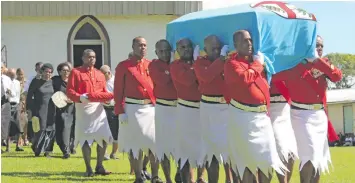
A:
[277, 99]
[167, 102]
[307, 106]
[138, 101]
[244, 107]
[109, 107]
[187, 103]
[220, 100]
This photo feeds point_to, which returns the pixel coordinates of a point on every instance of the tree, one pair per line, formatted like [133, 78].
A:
[345, 62]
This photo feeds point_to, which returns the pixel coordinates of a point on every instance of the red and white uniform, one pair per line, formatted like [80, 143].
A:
[133, 95]
[91, 122]
[165, 109]
[309, 119]
[281, 121]
[190, 142]
[251, 138]
[213, 107]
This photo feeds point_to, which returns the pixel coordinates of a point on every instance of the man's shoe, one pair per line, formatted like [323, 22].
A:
[19, 149]
[66, 156]
[157, 180]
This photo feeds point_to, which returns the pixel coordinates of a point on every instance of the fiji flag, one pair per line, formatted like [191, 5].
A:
[285, 34]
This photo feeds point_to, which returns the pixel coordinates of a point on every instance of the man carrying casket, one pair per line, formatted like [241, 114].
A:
[250, 135]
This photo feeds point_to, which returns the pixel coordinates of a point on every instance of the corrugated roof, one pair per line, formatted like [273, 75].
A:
[341, 96]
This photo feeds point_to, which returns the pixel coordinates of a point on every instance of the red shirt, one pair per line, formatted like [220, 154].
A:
[300, 89]
[126, 85]
[185, 81]
[240, 77]
[163, 84]
[87, 80]
[210, 76]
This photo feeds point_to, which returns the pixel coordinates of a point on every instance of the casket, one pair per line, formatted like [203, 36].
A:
[285, 34]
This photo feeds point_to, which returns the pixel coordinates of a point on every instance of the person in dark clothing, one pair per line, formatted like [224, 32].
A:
[42, 110]
[64, 118]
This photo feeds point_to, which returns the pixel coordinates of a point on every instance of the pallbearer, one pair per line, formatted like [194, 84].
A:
[134, 102]
[189, 126]
[250, 135]
[213, 106]
[165, 109]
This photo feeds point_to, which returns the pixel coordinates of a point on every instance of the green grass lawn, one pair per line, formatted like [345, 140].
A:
[23, 167]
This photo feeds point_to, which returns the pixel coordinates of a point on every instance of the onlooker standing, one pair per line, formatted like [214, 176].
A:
[20, 76]
[15, 129]
[109, 108]
[64, 117]
[43, 109]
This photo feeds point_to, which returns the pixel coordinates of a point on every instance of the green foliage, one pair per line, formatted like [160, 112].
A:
[345, 62]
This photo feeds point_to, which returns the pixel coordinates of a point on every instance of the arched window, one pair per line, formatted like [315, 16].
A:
[88, 33]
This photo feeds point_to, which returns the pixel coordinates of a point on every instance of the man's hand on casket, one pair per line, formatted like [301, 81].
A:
[224, 50]
[196, 52]
[316, 56]
[259, 57]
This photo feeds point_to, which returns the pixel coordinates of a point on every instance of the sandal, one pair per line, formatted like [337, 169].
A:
[200, 180]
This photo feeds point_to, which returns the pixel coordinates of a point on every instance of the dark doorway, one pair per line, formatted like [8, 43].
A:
[78, 53]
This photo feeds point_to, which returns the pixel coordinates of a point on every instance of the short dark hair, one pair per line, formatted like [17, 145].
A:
[136, 39]
[38, 64]
[47, 66]
[61, 65]
[161, 41]
[237, 34]
[87, 51]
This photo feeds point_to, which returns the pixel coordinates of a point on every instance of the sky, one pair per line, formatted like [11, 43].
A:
[336, 21]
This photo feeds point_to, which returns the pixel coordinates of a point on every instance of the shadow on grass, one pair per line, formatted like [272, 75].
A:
[41, 156]
[68, 176]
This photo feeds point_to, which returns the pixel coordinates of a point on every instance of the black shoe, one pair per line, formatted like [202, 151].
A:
[113, 156]
[157, 180]
[66, 156]
[72, 151]
[146, 175]
[19, 149]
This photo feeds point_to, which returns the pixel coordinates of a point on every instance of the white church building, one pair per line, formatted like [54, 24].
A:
[58, 31]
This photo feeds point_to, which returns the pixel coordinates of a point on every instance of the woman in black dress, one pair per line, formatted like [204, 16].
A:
[43, 108]
[64, 116]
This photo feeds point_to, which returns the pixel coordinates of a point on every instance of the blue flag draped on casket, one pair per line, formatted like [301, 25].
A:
[285, 34]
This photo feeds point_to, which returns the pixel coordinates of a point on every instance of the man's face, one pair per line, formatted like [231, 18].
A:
[185, 50]
[244, 44]
[163, 51]
[12, 74]
[20, 75]
[213, 49]
[319, 46]
[140, 48]
[89, 59]
[106, 73]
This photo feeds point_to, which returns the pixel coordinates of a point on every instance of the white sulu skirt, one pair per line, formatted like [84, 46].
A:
[165, 131]
[139, 133]
[91, 124]
[189, 139]
[214, 119]
[311, 131]
[251, 142]
[280, 114]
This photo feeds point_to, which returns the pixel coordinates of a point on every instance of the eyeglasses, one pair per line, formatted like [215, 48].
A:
[64, 70]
